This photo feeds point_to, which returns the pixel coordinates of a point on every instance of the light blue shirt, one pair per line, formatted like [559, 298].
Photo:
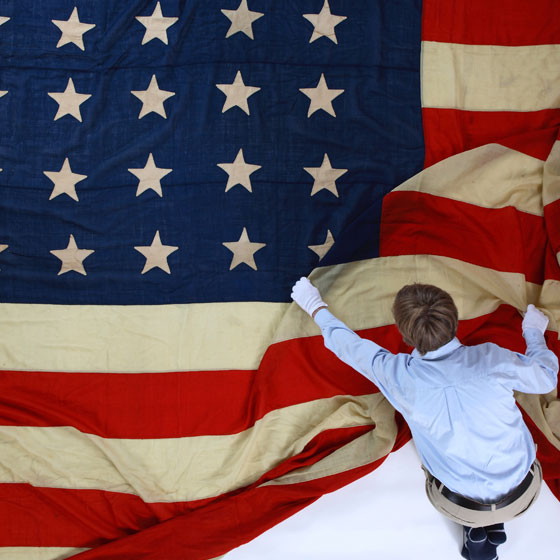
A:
[458, 401]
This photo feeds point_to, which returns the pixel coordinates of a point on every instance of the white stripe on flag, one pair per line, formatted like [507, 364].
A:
[38, 553]
[490, 77]
[491, 176]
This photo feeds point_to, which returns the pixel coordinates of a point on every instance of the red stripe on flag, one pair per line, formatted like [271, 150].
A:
[502, 239]
[177, 404]
[147, 405]
[487, 22]
[37, 517]
[33, 516]
[452, 131]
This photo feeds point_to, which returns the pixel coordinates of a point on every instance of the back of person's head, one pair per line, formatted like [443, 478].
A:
[425, 315]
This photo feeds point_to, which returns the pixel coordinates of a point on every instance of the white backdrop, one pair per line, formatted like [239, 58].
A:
[387, 516]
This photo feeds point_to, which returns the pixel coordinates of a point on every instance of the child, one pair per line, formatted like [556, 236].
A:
[477, 453]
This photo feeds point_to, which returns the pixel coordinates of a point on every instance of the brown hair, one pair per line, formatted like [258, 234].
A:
[425, 315]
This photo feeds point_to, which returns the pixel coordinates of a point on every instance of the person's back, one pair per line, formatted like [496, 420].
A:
[460, 406]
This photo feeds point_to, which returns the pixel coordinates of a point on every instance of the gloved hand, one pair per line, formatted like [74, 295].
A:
[307, 296]
[534, 319]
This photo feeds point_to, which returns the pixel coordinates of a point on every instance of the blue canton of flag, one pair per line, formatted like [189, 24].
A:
[209, 151]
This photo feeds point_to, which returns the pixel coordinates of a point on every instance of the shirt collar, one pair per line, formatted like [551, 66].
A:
[452, 345]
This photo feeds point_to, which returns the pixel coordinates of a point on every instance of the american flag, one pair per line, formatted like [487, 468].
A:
[170, 168]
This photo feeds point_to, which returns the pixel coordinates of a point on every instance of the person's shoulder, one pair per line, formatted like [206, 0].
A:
[484, 347]
[488, 355]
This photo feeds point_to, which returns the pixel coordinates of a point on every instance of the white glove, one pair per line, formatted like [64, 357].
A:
[307, 296]
[534, 319]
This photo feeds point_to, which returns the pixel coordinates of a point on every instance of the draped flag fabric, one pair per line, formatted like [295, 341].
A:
[170, 168]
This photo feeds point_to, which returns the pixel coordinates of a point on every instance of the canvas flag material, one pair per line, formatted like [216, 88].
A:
[169, 170]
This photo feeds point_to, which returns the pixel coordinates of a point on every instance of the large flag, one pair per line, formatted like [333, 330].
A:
[170, 168]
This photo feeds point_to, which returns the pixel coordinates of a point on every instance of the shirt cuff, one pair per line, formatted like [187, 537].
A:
[323, 316]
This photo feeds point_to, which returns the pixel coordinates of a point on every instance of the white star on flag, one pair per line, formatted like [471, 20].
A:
[156, 254]
[72, 258]
[325, 176]
[322, 249]
[2, 246]
[152, 99]
[243, 250]
[321, 97]
[239, 172]
[72, 30]
[64, 181]
[237, 93]
[150, 176]
[3, 92]
[241, 20]
[324, 23]
[69, 101]
[156, 25]
[3, 20]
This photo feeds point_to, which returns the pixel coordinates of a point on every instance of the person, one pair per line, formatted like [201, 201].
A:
[477, 453]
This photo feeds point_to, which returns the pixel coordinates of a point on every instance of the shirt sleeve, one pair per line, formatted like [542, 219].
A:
[365, 356]
[536, 371]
